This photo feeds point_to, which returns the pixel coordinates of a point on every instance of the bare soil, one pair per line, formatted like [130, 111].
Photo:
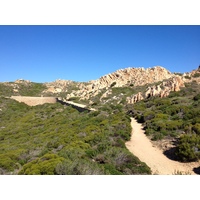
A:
[153, 156]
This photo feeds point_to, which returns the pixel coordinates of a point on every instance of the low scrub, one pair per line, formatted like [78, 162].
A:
[56, 139]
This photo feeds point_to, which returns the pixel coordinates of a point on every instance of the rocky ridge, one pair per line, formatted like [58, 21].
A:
[126, 77]
[121, 78]
[136, 76]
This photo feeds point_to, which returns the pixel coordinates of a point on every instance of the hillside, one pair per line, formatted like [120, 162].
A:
[55, 138]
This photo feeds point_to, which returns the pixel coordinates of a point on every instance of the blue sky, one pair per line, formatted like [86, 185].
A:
[83, 53]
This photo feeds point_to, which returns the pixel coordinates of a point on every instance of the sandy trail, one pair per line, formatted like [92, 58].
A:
[79, 105]
[142, 147]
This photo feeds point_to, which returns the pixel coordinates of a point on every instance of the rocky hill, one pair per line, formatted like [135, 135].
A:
[133, 78]
[155, 81]
[120, 78]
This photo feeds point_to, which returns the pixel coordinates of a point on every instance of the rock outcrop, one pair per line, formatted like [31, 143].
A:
[22, 81]
[194, 75]
[58, 86]
[106, 94]
[136, 76]
[135, 98]
[162, 90]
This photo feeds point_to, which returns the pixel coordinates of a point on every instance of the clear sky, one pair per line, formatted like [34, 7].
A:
[83, 53]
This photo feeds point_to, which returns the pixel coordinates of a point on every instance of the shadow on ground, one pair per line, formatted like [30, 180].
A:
[170, 153]
[196, 170]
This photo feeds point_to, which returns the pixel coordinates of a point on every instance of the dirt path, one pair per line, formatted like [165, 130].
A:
[79, 105]
[142, 147]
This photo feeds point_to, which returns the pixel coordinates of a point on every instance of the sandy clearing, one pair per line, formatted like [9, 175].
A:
[142, 147]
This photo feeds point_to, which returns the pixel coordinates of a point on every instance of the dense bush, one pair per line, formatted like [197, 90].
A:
[188, 148]
[46, 165]
[196, 128]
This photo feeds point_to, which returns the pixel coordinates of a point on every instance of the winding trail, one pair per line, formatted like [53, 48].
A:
[142, 147]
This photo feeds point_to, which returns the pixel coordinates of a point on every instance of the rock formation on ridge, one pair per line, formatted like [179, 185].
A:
[162, 90]
[120, 78]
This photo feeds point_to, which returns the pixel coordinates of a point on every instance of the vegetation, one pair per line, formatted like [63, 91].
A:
[178, 73]
[196, 75]
[187, 77]
[57, 139]
[23, 89]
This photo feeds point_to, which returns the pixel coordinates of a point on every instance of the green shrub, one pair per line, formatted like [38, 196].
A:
[196, 75]
[79, 167]
[162, 116]
[196, 97]
[110, 169]
[157, 136]
[196, 128]
[188, 148]
[187, 77]
[148, 115]
[7, 163]
[45, 165]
